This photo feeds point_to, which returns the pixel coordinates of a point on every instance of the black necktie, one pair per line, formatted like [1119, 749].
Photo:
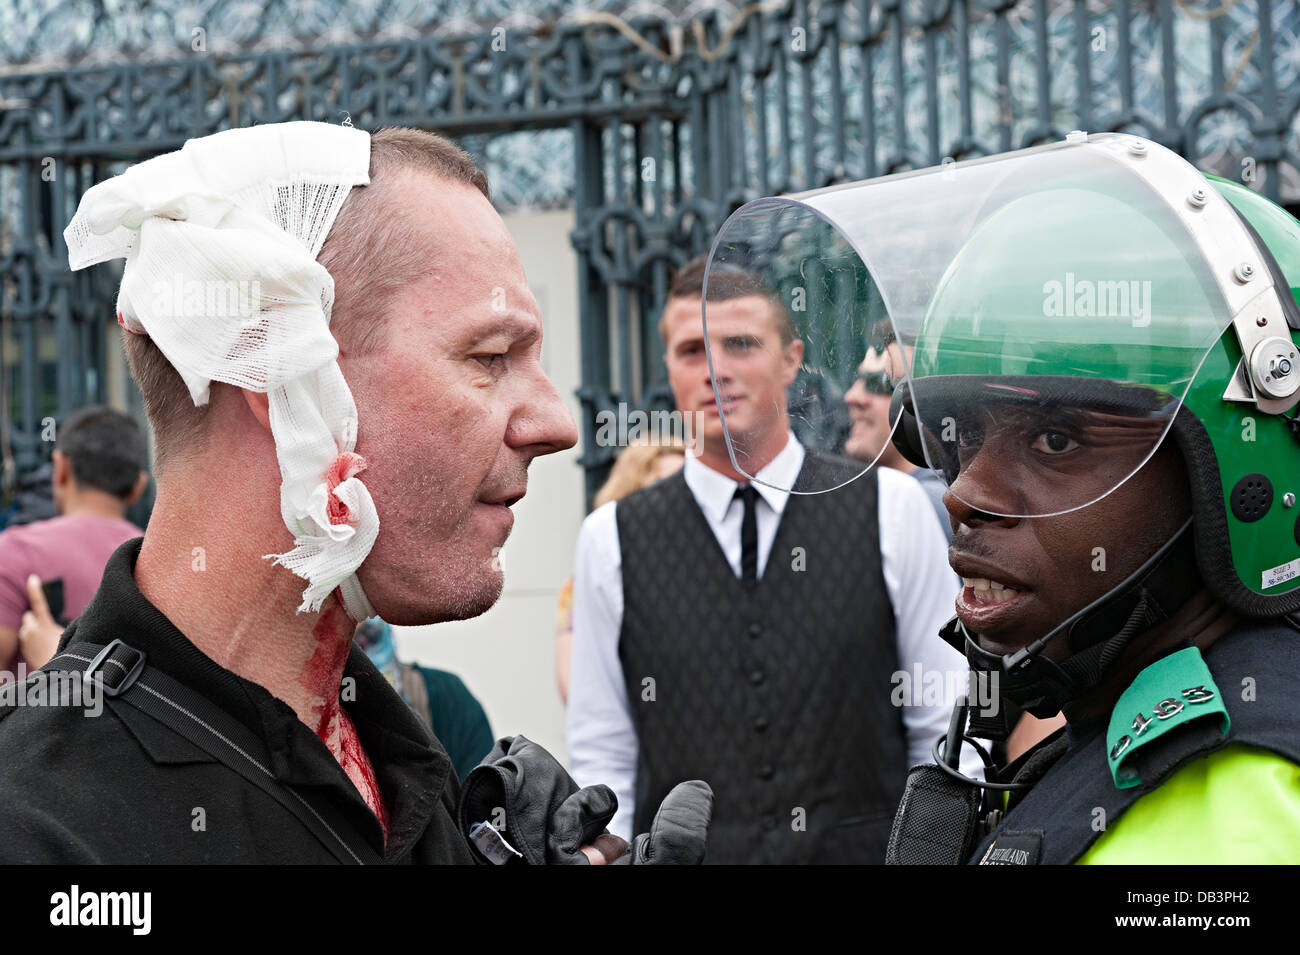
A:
[748, 536]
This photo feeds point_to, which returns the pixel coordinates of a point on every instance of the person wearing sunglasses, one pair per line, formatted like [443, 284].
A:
[868, 402]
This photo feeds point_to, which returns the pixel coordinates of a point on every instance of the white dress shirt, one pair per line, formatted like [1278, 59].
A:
[601, 736]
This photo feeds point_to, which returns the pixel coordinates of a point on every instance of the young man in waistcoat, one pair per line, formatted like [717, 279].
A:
[1123, 487]
[729, 628]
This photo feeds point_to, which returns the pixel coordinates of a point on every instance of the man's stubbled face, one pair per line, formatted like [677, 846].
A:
[1024, 576]
[452, 405]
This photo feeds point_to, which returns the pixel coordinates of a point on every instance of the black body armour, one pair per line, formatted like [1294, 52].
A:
[1055, 821]
[778, 696]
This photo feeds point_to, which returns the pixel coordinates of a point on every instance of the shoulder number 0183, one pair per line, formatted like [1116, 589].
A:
[1162, 711]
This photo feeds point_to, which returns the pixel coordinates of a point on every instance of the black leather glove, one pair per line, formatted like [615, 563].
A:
[547, 819]
[680, 829]
[535, 803]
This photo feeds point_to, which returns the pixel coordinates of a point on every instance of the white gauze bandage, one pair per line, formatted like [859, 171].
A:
[220, 240]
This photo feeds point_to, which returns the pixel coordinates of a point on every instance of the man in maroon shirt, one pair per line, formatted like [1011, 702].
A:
[100, 458]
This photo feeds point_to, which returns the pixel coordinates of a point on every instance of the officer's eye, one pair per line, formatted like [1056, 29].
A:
[494, 363]
[1054, 442]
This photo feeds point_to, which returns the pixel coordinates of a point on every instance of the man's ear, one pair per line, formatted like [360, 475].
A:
[792, 359]
[141, 483]
[62, 469]
[259, 404]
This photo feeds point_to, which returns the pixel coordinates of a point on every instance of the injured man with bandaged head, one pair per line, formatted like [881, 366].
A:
[340, 361]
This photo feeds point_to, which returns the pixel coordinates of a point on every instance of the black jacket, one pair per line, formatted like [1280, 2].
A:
[122, 788]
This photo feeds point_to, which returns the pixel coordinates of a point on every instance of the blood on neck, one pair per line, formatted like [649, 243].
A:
[321, 677]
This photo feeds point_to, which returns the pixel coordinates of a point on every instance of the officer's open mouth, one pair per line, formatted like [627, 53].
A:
[986, 602]
[985, 591]
[986, 611]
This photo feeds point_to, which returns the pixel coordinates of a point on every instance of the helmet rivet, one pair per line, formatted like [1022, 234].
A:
[1137, 147]
[1261, 321]
[1272, 366]
[1197, 198]
[1288, 499]
[1244, 272]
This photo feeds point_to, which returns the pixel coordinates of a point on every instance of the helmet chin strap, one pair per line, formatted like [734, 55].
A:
[1097, 635]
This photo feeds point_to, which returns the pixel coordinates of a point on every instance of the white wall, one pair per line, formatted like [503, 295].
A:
[506, 656]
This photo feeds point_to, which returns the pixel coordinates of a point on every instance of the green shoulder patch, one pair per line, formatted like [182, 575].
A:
[1171, 692]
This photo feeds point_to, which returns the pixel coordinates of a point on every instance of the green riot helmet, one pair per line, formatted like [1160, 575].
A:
[1075, 308]
[1155, 334]
[1132, 345]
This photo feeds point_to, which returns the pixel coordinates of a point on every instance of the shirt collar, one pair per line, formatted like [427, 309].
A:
[714, 491]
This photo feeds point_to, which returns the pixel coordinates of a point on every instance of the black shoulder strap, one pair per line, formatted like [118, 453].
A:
[127, 678]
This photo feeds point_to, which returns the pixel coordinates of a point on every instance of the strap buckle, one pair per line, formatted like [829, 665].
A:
[131, 673]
